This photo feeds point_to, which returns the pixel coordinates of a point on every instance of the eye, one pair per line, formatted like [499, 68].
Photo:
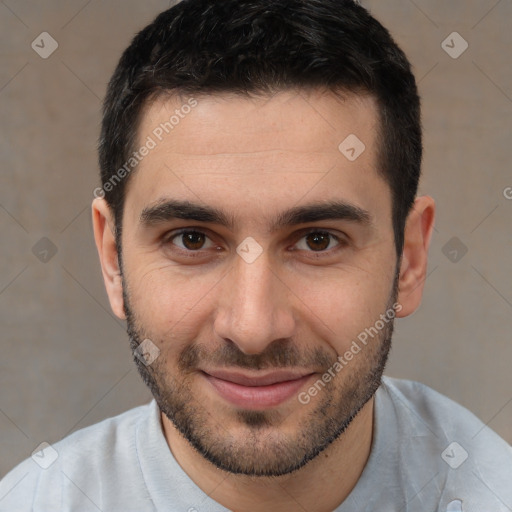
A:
[318, 241]
[315, 241]
[190, 240]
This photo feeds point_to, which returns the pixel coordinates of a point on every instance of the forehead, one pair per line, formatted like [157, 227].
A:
[300, 120]
[254, 154]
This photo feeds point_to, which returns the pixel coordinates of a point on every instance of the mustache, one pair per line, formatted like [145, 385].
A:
[279, 354]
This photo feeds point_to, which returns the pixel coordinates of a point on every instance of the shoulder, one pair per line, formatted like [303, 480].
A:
[88, 452]
[426, 403]
[440, 413]
[438, 432]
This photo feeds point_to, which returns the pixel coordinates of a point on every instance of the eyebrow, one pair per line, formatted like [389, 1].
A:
[171, 209]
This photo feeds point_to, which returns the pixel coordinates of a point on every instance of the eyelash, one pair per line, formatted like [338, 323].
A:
[198, 253]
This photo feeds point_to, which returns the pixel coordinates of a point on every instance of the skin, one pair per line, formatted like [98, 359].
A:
[254, 158]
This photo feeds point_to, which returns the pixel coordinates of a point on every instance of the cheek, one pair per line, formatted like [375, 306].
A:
[170, 304]
[341, 305]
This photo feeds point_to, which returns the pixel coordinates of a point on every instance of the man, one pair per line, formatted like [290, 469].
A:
[258, 228]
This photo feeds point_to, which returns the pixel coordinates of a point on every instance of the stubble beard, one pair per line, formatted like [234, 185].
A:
[257, 446]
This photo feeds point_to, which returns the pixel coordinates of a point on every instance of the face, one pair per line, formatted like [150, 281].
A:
[255, 254]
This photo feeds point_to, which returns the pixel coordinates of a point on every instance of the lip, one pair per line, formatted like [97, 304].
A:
[256, 391]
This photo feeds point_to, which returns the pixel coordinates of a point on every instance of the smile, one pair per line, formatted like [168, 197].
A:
[256, 392]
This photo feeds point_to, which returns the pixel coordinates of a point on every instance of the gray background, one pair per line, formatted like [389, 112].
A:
[65, 361]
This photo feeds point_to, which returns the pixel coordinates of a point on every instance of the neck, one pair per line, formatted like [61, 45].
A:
[320, 486]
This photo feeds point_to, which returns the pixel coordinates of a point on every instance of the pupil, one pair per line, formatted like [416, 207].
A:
[318, 238]
[193, 240]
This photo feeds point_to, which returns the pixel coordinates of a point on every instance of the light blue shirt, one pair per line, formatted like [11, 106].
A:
[428, 454]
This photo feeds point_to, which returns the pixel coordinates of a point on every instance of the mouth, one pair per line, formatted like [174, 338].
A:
[256, 391]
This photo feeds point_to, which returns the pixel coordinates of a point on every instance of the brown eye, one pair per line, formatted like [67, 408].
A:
[318, 241]
[193, 240]
[190, 240]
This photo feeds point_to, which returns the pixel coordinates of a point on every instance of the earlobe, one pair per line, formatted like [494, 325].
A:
[413, 268]
[104, 236]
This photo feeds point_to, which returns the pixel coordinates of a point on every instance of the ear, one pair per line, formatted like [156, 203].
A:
[104, 236]
[413, 267]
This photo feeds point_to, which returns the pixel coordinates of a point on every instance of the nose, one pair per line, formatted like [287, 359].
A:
[256, 306]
